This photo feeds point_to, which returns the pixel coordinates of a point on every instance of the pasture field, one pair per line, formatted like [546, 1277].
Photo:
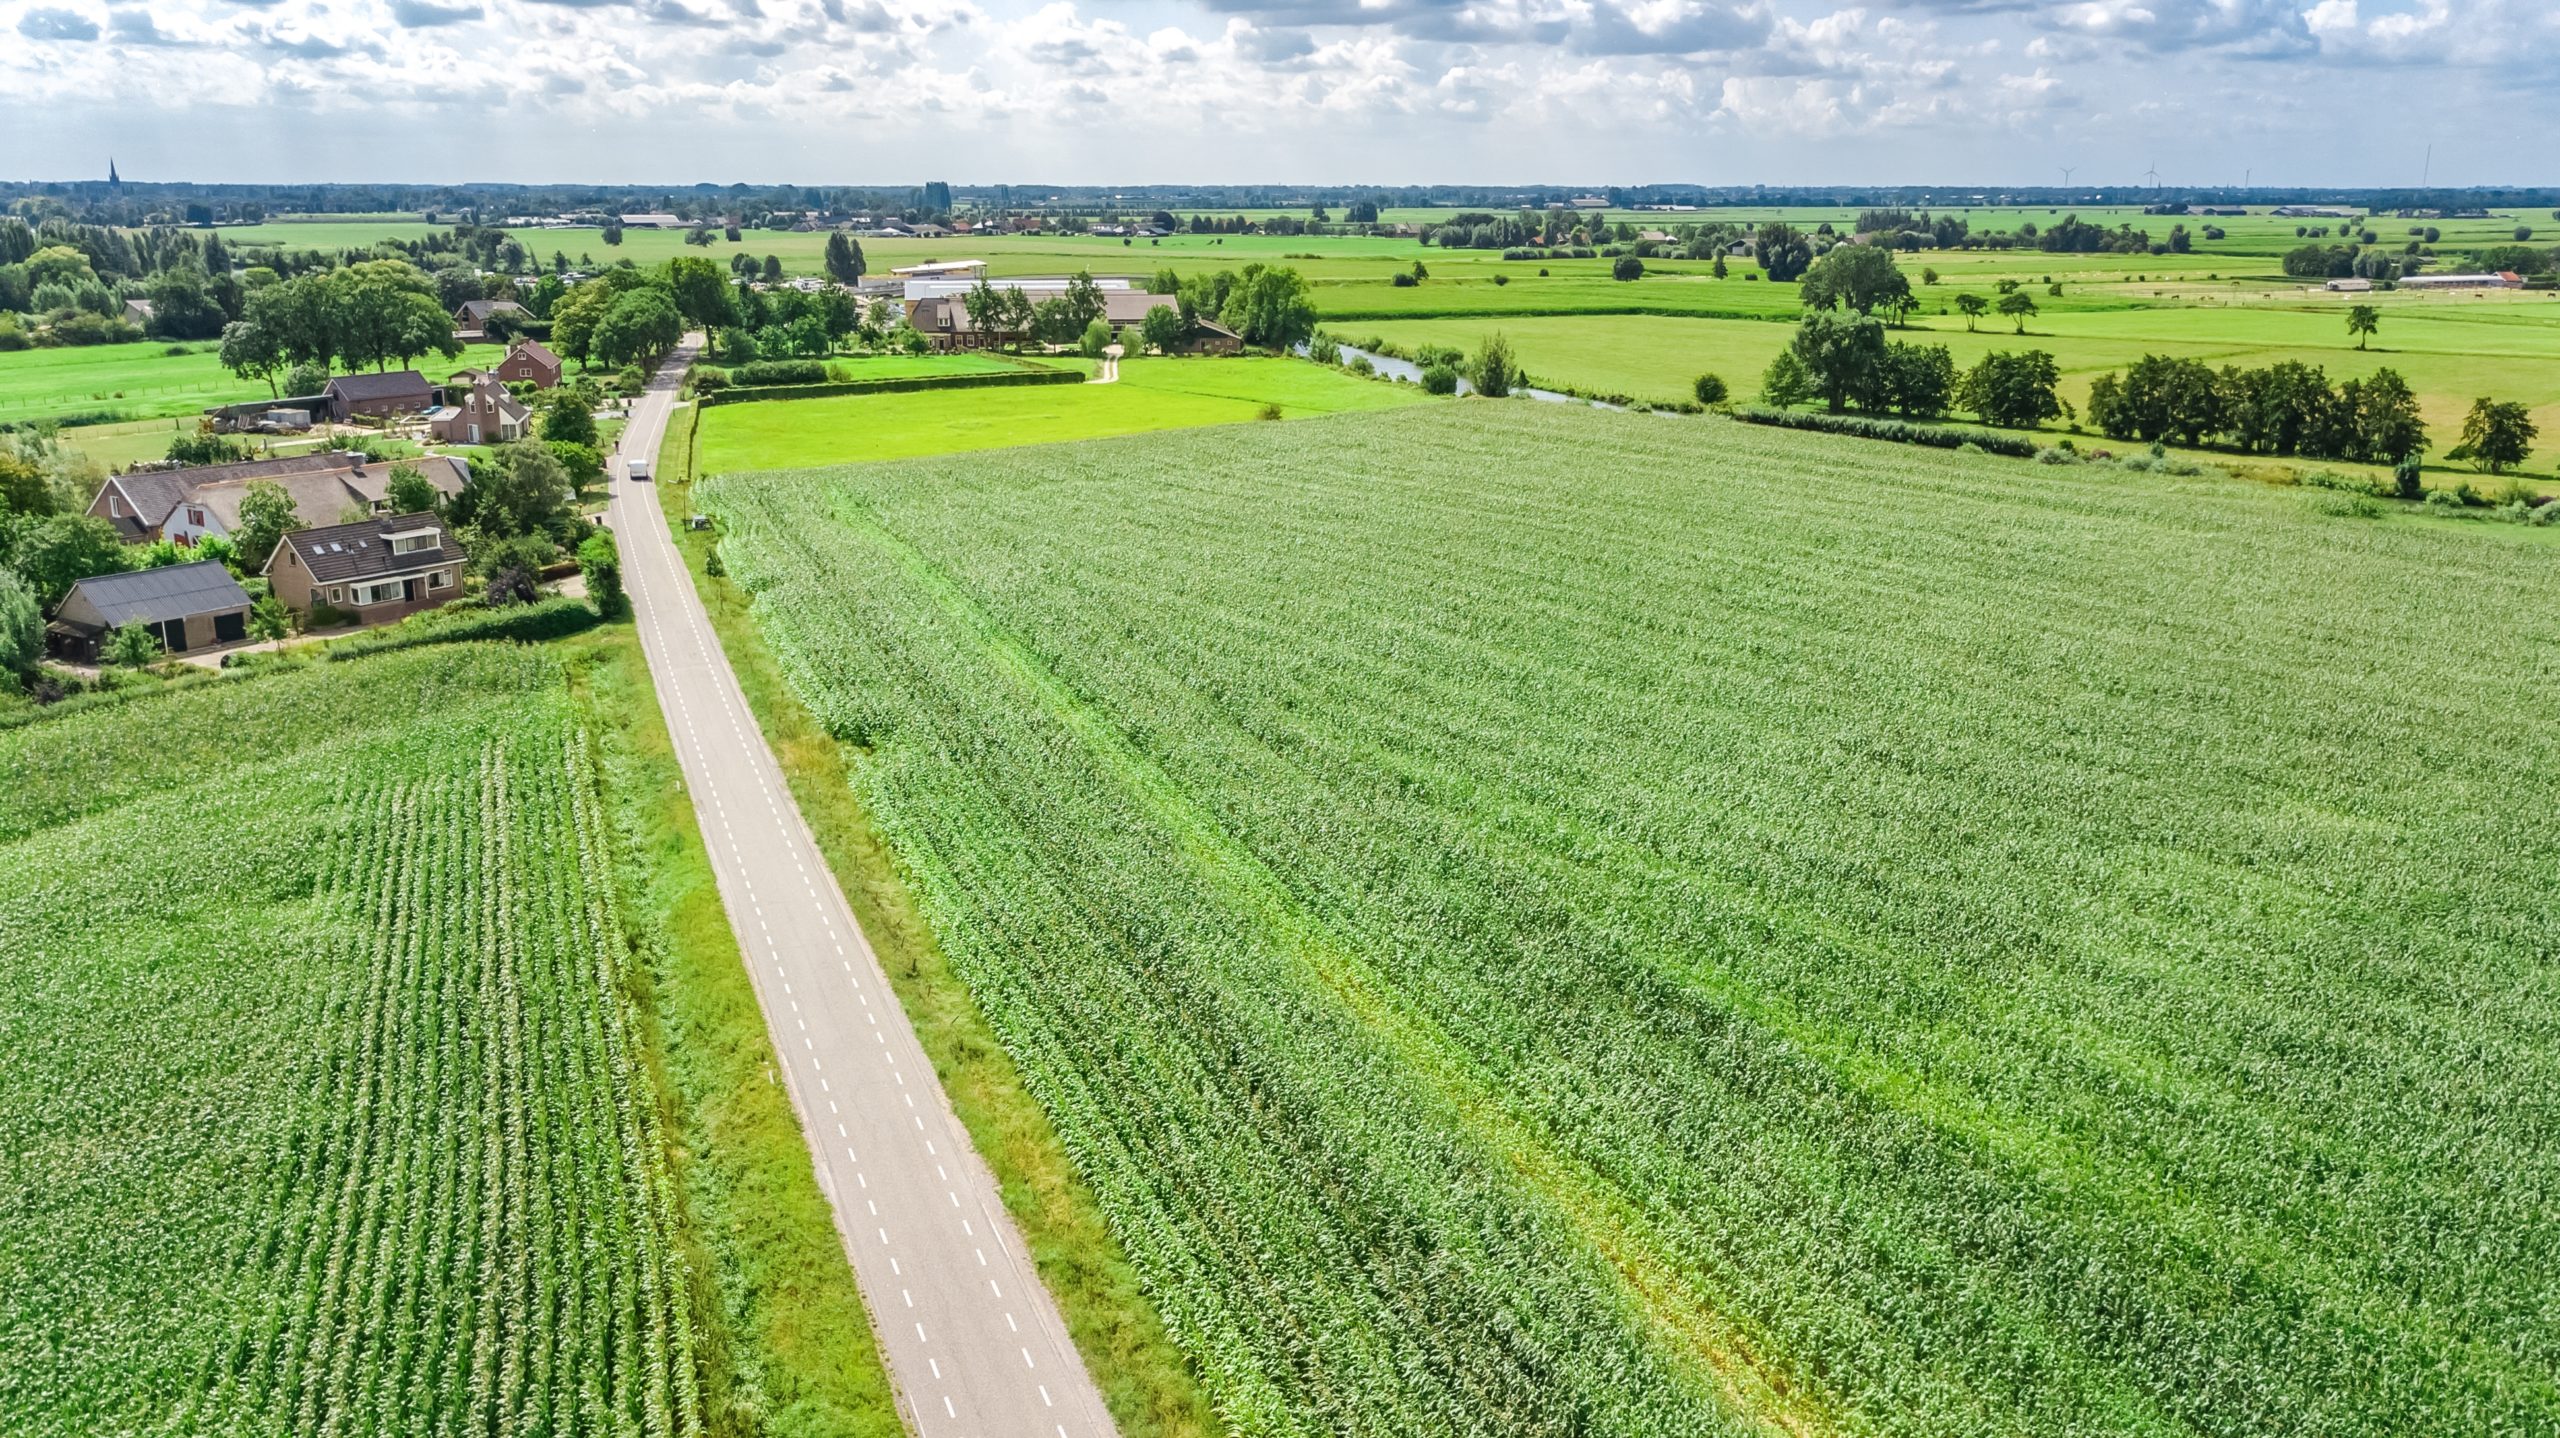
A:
[2226, 300]
[1554, 921]
[2449, 354]
[334, 1100]
[145, 380]
[1151, 394]
[2251, 243]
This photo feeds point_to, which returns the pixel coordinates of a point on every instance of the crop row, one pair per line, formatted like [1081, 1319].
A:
[355, 1017]
[1691, 920]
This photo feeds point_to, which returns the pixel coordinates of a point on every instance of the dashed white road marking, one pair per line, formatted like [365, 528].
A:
[701, 693]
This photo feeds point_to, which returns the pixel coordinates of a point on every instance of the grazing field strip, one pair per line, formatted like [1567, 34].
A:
[2002, 950]
[366, 1004]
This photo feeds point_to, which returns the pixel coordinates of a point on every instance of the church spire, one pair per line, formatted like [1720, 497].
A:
[112, 177]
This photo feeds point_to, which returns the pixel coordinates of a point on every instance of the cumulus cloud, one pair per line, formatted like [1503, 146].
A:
[50, 24]
[136, 27]
[1588, 91]
[426, 15]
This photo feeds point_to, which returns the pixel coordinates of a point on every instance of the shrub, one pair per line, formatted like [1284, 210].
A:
[767, 372]
[1627, 267]
[553, 618]
[1268, 411]
[1494, 371]
[1500, 280]
[1324, 349]
[1710, 389]
[2405, 480]
[2057, 455]
[1440, 379]
[1899, 431]
[601, 563]
[2349, 484]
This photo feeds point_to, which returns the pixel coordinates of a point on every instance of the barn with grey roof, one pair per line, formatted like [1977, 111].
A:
[186, 606]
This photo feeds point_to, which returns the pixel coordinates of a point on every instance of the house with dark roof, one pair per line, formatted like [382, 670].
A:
[530, 362]
[185, 505]
[379, 396]
[188, 606]
[375, 569]
[471, 317]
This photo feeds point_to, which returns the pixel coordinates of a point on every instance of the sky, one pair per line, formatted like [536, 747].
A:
[1573, 92]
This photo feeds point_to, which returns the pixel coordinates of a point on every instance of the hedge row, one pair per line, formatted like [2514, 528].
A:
[741, 394]
[1899, 431]
[1343, 314]
[773, 372]
[554, 618]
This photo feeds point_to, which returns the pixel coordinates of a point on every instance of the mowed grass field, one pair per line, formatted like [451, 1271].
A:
[2226, 301]
[1151, 394]
[1538, 920]
[147, 380]
[2450, 353]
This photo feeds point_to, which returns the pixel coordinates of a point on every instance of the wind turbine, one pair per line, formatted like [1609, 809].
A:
[2066, 175]
[2153, 175]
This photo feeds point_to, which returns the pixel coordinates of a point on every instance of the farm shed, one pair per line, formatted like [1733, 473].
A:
[187, 605]
[379, 395]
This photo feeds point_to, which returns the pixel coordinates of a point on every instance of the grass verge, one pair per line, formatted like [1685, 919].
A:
[1145, 1380]
[788, 1346]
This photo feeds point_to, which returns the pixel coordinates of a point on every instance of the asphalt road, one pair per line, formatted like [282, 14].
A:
[974, 1342]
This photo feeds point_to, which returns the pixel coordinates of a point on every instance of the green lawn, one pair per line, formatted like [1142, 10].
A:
[147, 381]
[1152, 394]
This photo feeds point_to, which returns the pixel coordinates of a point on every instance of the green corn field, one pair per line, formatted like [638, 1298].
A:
[1544, 922]
[326, 1111]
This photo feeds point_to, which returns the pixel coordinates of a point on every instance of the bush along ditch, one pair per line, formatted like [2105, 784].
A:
[1897, 431]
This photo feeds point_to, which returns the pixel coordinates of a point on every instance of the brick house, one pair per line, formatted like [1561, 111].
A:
[471, 317]
[486, 413]
[379, 396]
[376, 569]
[530, 361]
[185, 505]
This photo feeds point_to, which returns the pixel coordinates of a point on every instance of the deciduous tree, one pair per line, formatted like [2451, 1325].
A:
[2363, 321]
[267, 515]
[2496, 436]
[1843, 356]
[2015, 391]
[1860, 277]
